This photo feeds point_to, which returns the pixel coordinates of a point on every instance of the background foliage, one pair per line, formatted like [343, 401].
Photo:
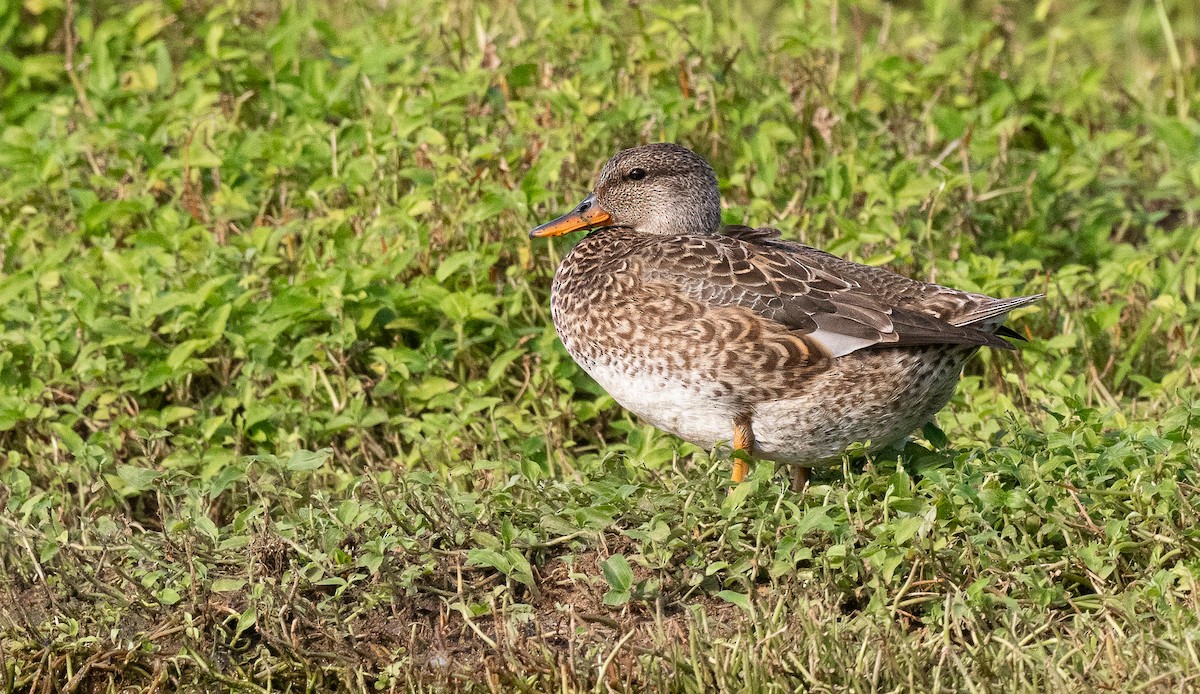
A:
[281, 404]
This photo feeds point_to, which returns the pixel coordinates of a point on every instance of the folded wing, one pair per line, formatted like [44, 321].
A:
[841, 313]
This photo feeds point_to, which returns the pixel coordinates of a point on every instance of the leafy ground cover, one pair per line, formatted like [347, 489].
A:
[281, 406]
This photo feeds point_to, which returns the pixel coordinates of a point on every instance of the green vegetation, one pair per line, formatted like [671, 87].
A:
[282, 408]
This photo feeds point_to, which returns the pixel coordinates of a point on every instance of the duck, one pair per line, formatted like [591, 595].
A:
[729, 334]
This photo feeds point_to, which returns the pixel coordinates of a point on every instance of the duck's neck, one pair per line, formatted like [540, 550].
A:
[703, 219]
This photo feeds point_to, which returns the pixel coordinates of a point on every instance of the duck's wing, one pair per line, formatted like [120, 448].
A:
[954, 306]
[748, 269]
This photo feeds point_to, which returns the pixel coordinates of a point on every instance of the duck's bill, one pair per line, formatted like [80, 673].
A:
[586, 215]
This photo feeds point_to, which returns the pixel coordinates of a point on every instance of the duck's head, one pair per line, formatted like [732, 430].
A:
[653, 189]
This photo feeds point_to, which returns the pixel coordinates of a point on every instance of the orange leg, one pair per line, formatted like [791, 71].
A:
[743, 440]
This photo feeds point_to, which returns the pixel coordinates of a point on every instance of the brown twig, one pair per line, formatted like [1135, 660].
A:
[69, 61]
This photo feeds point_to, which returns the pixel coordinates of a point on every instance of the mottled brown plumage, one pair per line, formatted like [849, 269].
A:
[694, 326]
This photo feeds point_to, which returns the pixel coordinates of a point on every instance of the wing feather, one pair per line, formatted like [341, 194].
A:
[830, 301]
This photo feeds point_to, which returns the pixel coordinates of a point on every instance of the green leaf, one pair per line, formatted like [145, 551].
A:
[738, 495]
[226, 585]
[616, 598]
[489, 558]
[905, 528]
[430, 388]
[816, 518]
[308, 460]
[618, 573]
[137, 479]
[183, 352]
[1177, 135]
[453, 264]
[205, 525]
[935, 436]
[950, 122]
[247, 619]
[521, 572]
[175, 413]
[735, 598]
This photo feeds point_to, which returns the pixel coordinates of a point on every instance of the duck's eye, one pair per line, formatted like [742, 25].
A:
[637, 174]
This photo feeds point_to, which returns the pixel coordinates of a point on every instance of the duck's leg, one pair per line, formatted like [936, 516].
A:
[743, 440]
[799, 478]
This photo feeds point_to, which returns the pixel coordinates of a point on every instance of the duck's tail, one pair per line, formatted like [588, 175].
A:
[1007, 332]
[989, 316]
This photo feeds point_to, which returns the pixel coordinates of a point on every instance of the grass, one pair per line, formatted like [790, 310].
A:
[282, 408]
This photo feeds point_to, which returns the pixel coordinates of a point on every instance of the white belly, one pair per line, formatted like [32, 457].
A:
[669, 404]
[812, 429]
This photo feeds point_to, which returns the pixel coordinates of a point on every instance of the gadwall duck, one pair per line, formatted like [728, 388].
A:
[728, 333]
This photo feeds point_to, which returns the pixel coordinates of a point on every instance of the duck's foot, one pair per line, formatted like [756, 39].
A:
[743, 440]
[740, 469]
[800, 475]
